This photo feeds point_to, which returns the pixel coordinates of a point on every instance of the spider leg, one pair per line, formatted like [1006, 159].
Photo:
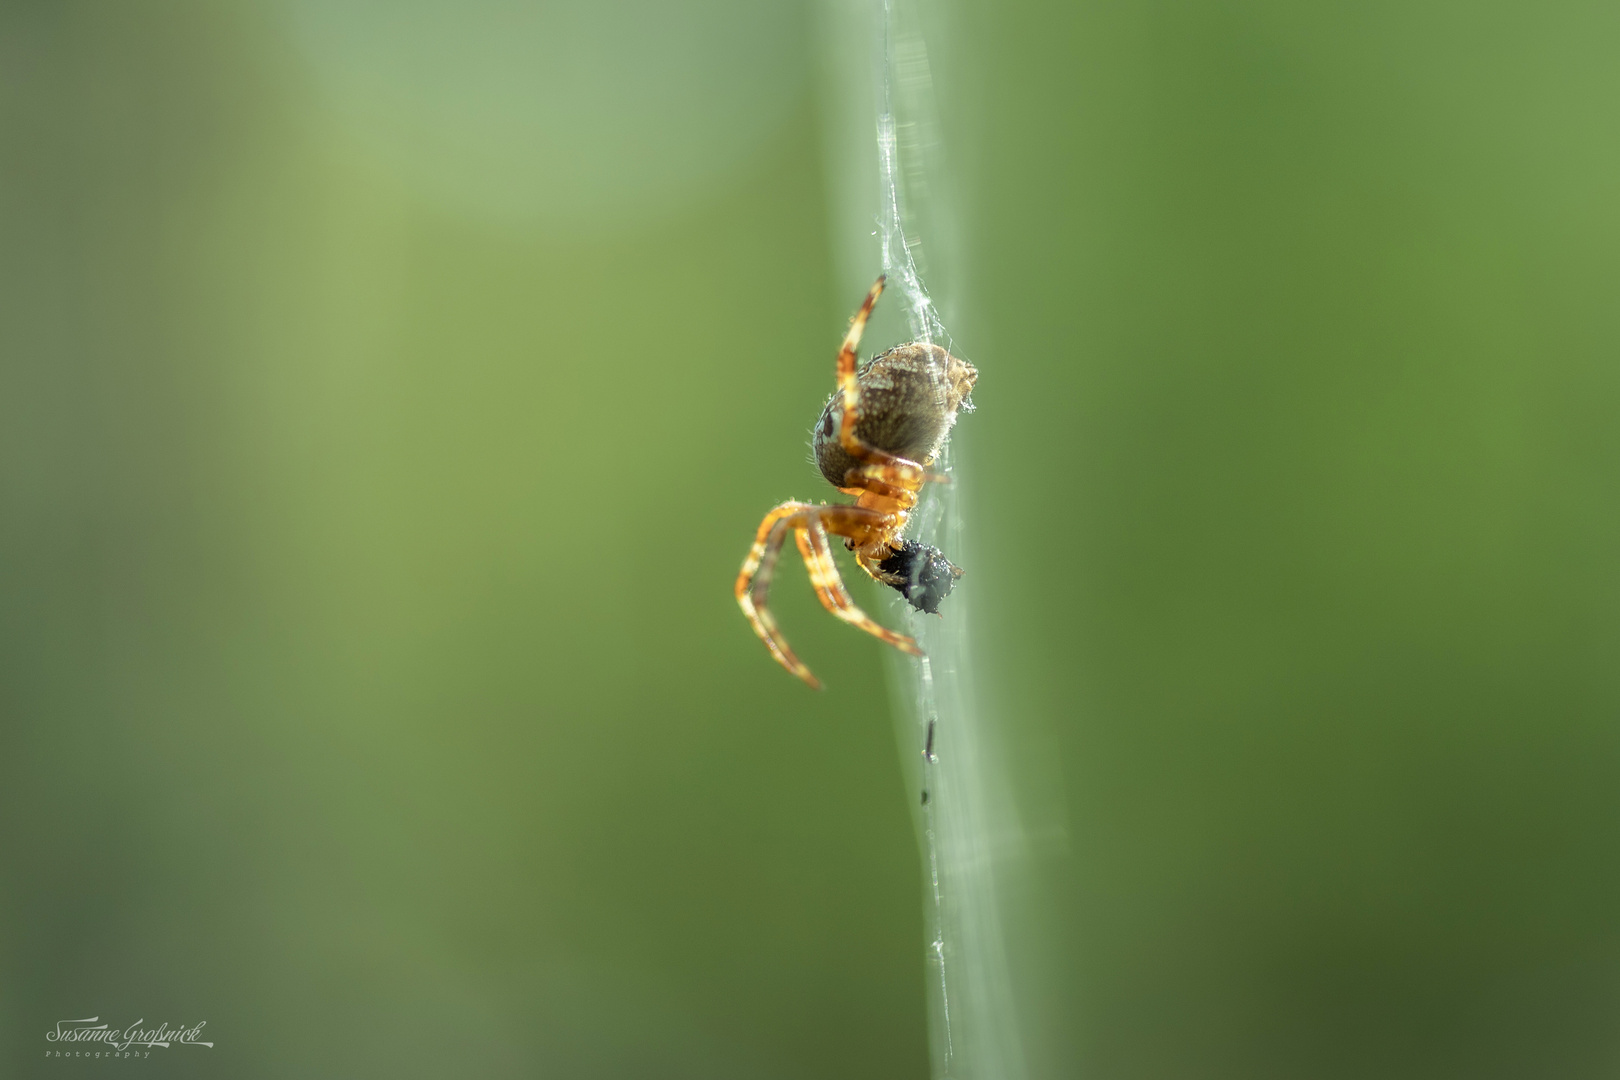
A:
[754, 582]
[850, 387]
[873, 492]
[852, 340]
[812, 541]
[878, 464]
[889, 479]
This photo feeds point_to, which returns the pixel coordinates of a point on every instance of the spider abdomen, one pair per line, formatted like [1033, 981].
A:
[909, 398]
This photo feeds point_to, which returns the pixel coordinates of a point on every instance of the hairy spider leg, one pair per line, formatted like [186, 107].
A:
[754, 583]
[849, 387]
[876, 495]
[812, 541]
[900, 476]
[754, 580]
[888, 469]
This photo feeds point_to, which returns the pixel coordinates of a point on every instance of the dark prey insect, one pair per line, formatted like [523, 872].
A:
[875, 440]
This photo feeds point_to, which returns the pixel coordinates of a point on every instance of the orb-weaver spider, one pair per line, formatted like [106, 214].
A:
[875, 439]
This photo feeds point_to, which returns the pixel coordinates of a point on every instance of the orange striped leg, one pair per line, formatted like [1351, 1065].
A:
[896, 475]
[754, 583]
[902, 499]
[905, 473]
[812, 541]
[849, 386]
[852, 341]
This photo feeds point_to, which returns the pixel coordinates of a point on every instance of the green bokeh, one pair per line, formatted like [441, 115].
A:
[374, 690]
[371, 684]
[1302, 406]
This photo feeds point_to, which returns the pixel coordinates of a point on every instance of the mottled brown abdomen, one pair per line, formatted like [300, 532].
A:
[909, 397]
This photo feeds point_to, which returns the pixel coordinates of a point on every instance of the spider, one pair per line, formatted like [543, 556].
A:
[876, 437]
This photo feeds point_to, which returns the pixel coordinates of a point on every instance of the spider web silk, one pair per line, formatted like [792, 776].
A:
[967, 829]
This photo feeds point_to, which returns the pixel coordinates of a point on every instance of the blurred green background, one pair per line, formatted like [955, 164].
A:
[388, 393]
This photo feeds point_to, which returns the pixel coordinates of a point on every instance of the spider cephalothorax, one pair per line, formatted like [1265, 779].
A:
[875, 439]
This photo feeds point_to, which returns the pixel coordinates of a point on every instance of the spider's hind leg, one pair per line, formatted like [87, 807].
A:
[811, 524]
[754, 583]
[812, 541]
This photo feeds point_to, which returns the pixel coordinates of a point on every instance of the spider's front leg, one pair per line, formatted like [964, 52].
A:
[849, 388]
[880, 471]
[848, 385]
